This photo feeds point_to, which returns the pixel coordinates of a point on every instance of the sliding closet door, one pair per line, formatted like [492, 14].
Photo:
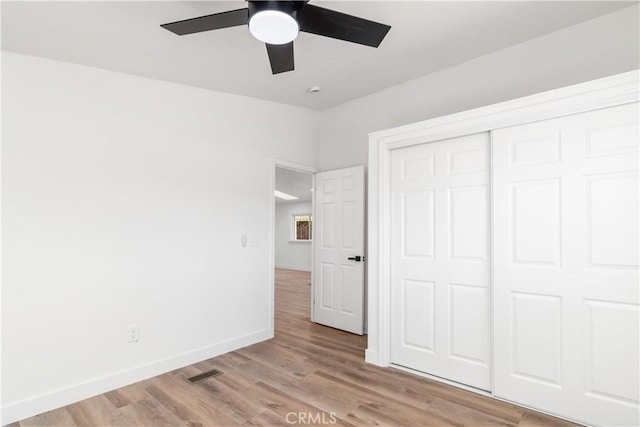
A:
[440, 322]
[566, 265]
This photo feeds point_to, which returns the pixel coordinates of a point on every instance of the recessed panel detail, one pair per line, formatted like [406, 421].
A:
[419, 167]
[328, 224]
[348, 183]
[613, 217]
[545, 149]
[329, 185]
[418, 314]
[613, 140]
[326, 285]
[469, 333]
[611, 350]
[537, 338]
[418, 224]
[348, 289]
[348, 212]
[467, 161]
[469, 223]
[535, 222]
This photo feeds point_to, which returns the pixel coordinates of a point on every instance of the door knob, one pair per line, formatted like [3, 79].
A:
[356, 258]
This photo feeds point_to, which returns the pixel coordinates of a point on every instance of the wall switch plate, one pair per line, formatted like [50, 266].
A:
[134, 333]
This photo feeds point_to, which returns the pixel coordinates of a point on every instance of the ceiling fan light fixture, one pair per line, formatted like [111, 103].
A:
[274, 27]
[277, 24]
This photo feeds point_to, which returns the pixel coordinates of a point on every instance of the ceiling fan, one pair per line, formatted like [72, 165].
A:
[277, 23]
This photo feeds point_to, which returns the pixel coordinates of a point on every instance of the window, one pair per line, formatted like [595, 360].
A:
[302, 227]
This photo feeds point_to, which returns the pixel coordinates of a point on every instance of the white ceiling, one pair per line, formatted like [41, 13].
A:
[425, 37]
[294, 183]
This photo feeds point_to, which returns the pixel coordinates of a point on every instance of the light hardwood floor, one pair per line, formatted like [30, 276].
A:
[308, 372]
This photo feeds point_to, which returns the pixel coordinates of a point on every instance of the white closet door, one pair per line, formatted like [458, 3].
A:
[566, 265]
[440, 322]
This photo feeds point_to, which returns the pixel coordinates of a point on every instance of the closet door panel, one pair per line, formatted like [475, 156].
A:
[440, 259]
[566, 238]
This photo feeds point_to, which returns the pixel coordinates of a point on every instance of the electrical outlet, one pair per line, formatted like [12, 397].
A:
[134, 333]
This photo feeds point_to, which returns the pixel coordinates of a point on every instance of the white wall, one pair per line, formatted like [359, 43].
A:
[124, 202]
[291, 255]
[598, 48]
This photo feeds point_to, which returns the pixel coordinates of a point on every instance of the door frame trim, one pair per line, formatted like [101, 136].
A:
[606, 92]
[298, 167]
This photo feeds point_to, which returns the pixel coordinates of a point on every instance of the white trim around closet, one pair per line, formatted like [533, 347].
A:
[602, 93]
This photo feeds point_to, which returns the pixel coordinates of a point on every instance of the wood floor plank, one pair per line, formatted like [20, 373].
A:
[370, 397]
[57, 417]
[415, 414]
[147, 412]
[237, 404]
[234, 377]
[285, 404]
[263, 373]
[315, 392]
[267, 418]
[376, 414]
[118, 398]
[537, 419]
[305, 375]
[132, 393]
[180, 410]
[232, 359]
[465, 415]
[277, 358]
[96, 411]
[201, 404]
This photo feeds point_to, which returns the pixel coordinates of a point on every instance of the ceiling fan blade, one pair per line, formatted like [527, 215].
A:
[231, 18]
[329, 23]
[281, 57]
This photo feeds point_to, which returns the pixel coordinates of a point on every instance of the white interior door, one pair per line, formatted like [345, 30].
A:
[566, 265]
[440, 321]
[339, 249]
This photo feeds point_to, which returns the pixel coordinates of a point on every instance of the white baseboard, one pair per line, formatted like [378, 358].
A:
[371, 356]
[15, 411]
[294, 267]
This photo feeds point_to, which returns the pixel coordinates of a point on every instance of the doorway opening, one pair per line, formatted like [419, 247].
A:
[293, 243]
[317, 239]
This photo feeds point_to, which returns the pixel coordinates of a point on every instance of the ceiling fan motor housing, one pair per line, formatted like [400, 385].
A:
[289, 7]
